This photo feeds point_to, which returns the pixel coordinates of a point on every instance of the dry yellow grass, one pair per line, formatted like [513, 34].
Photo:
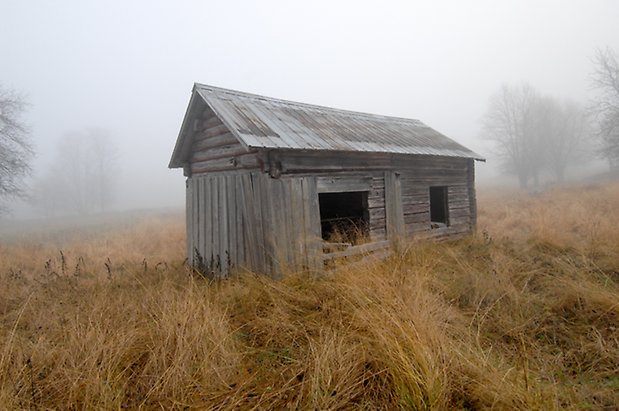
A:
[524, 315]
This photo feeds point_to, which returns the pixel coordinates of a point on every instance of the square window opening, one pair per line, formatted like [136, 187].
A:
[439, 207]
[344, 217]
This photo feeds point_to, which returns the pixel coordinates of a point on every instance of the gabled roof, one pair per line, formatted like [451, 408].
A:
[269, 123]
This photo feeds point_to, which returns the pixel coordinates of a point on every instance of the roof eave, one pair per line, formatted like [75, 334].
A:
[176, 161]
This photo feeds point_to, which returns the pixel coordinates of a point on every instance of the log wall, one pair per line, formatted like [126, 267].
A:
[215, 149]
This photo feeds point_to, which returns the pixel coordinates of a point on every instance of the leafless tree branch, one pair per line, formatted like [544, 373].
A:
[15, 148]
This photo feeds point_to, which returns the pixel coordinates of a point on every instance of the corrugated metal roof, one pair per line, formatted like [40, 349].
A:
[265, 122]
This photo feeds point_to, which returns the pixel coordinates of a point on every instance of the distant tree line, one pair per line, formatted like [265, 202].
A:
[535, 133]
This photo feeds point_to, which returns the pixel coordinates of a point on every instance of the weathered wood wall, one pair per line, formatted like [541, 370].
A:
[400, 193]
[254, 221]
[242, 217]
[454, 173]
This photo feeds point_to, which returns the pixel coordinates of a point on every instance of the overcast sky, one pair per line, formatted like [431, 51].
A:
[129, 66]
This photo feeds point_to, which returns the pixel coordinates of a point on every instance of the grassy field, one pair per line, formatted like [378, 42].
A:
[523, 315]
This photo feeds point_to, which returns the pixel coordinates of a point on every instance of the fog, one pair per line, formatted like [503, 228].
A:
[128, 67]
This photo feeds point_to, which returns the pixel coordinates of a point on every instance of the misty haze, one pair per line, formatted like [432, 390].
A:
[327, 205]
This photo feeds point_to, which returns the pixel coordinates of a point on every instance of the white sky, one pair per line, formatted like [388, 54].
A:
[128, 66]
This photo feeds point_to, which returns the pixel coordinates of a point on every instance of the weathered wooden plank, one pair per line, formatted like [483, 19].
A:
[189, 219]
[240, 162]
[211, 120]
[216, 217]
[208, 219]
[202, 143]
[215, 131]
[280, 208]
[232, 231]
[196, 217]
[418, 227]
[261, 238]
[421, 218]
[223, 224]
[264, 190]
[459, 213]
[201, 216]
[376, 213]
[416, 208]
[306, 236]
[374, 204]
[339, 184]
[378, 222]
[320, 161]
[296, 208]
[230, 150]
[393, 206]
[240, 230]
[357, 249]
[314, 244]
[249, 224]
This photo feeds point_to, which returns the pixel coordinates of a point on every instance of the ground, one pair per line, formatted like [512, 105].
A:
[524, 315]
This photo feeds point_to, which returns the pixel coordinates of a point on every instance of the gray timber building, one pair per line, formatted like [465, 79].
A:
[275, 185]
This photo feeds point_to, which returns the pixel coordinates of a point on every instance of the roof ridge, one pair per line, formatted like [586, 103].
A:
[313, 106]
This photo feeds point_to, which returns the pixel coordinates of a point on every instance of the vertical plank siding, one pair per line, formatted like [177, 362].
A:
[253, 221]
[189, 218]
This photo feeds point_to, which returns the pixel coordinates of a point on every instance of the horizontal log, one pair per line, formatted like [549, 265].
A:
[343, 184]
[419, 218]
[214, 142]
[295, 162]
[220, 152]
[376, 213]
[211, 121]
[415, 208]
[245, 161]
[215, 131]
[376, 203]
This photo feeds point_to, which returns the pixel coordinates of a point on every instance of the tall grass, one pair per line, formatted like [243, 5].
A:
[525, 314]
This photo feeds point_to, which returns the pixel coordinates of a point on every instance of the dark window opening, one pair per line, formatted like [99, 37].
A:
[439, 209]
[344, 217]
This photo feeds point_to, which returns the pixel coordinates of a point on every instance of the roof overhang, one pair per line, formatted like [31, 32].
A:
[184, 140]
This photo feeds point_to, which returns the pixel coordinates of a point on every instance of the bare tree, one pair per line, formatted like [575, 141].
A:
[564, 132]
[606, 106]
[82, 178]
[15, 149]
[535, 133]
[572, 140]
[511, 122]
[105, 156]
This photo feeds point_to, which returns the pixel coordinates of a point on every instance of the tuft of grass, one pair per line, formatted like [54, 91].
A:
[523, 315]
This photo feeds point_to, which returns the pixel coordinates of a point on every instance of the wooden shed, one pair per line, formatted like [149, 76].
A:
[275, 184]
